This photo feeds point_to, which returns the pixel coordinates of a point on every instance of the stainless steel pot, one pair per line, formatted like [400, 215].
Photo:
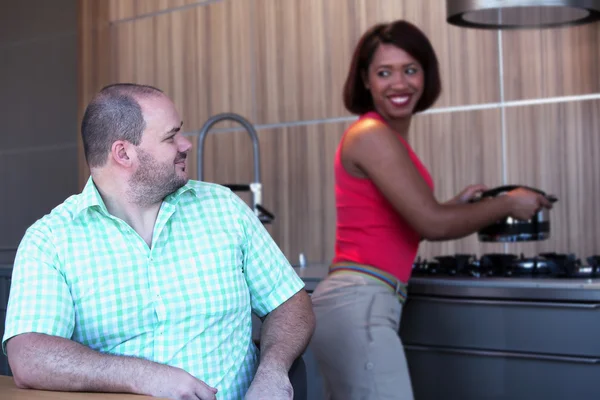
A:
[514, 230]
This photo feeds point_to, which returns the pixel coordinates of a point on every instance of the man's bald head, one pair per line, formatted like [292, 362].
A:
[113, 114]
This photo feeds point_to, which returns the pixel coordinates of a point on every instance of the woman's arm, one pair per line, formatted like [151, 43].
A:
[467, 194]
[377, 152]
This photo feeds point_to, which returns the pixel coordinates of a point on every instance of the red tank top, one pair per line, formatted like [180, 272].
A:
[369, 231]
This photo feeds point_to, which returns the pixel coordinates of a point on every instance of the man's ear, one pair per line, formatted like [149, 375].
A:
[122, 152]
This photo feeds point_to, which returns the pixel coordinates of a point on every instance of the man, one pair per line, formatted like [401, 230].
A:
[145, 281]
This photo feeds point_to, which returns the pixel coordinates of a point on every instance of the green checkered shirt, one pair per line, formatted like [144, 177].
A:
[83, 274]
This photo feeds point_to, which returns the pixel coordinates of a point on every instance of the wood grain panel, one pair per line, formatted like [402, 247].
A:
[125, 9]
[275, 61]
[556, 148]
[342, 33]
[199, 57]
[93, 63]
[290, 60]
[297, 176]
[304, 50]
[459, 149]
[551, 62]
[468, 58]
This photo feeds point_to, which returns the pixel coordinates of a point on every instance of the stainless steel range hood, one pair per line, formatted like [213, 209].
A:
[516, 14]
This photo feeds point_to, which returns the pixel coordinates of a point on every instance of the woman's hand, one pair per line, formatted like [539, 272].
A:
[526, 203]
[467, 194]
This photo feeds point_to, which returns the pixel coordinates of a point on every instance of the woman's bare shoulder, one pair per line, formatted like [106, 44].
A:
[368, 129]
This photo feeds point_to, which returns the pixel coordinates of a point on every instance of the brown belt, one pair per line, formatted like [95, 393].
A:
[398, 287]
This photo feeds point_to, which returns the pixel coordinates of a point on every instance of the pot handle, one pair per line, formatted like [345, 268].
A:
[507, 188]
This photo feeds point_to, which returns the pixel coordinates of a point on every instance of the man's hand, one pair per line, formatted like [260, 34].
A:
[174, 383]
[467, 194]
[284, 336]
[270, 383]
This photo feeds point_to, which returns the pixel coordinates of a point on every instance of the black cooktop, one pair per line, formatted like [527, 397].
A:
[549, 265]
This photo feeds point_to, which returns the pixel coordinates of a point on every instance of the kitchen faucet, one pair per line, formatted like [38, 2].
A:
[255, 187]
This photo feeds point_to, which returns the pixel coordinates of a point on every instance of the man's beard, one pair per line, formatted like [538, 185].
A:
[153, 181]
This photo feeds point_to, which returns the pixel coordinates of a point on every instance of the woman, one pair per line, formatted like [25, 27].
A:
[385, 207]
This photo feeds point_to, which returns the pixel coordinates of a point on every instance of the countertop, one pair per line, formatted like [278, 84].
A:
[523, 288]
[8, 391]
[312, 274]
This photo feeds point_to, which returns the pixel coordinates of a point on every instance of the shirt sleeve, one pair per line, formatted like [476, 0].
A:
[269, 275]
[40, 300]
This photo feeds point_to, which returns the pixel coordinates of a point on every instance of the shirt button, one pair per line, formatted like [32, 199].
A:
[369, 365]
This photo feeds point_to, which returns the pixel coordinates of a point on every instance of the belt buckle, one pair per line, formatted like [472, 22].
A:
[398, 286]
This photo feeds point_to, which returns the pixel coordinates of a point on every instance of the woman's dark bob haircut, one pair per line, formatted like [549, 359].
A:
[406, 36]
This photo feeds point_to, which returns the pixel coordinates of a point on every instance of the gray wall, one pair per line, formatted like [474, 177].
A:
[38, 111]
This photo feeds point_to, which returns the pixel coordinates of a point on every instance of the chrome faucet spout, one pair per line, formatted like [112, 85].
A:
[247, 126]
[256, 186]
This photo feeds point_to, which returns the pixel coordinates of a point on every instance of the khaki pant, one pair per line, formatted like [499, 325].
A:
[356, 340]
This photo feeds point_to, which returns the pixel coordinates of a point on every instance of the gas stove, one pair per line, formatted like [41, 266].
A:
[501, 265]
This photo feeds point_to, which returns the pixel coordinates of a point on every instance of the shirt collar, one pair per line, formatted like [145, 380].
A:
[174, 197]
[90, 197]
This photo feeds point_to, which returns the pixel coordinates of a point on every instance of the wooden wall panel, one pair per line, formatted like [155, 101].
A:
[290, 61]
[126, 9]
[297, 176]
[227, 159]
[459, 149]
[468, 58]
[556, 148]
[183, 54]
[278, 62]
[300, 72]
[94, 64]
[551, 62]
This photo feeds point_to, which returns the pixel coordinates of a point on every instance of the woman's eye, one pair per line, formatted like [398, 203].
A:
[411, 71]
[383, 73]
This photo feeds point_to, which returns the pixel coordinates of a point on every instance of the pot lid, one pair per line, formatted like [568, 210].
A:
[515, 14]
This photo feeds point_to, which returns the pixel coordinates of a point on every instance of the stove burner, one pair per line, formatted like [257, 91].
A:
[554, 265]
[496, 264]
[459, 264]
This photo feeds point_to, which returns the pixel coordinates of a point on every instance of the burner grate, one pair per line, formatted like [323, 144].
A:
[554, 265]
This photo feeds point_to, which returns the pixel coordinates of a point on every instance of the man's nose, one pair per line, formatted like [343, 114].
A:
[184, 144]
